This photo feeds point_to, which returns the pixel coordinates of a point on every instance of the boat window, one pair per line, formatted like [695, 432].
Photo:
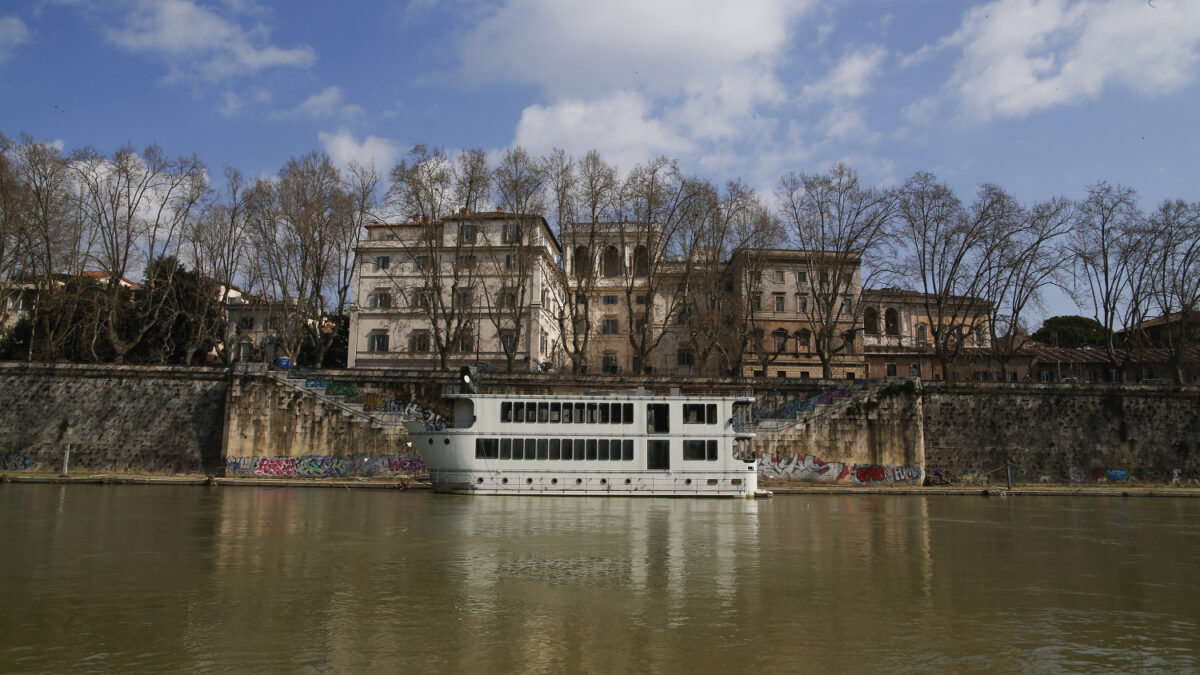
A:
[693, 450]
[555, 413]
[578, 448]
[566, 413]
[658, 454]
[579, 418]
[486, 448]
[627, 413]
[543, 412]
[711, 409]
[711, 450]
[604, 413]
[693, 413]
[505, 448]
[658, 418]
[591, 413]
[506, 411]
[602, 450]
[518, 412]
[542, 448]
[591, 448]
[554, 453]
[518, 451]
[616, 413]
[627, 448]
[566, 448]
[530, 412]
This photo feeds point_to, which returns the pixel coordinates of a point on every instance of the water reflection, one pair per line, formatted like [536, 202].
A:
[120, 578]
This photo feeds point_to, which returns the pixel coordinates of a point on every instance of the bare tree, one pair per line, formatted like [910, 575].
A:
[217, 245]
[595, 193]
[947, 248]
[420, 185]
[1175, 277]
[731, 227]
[1107, 245]
[841, 224]
[296, 226]
[138, 205]
[658, 202]
[472, 179]
[519, 182]
[1026, 263]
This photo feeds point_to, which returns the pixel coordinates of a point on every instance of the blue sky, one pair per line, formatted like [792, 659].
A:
[1043, 97]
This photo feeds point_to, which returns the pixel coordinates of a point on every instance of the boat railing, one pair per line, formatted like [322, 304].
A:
[580, 392]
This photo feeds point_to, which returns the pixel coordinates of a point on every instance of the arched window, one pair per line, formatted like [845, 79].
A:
[848, 342]
[803, 339]
[582, 262]
[871, 321]
[781, 338]
[891, 321]
[611, 263]
[641, 262]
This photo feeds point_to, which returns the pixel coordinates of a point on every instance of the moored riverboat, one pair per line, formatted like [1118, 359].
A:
[611, 444]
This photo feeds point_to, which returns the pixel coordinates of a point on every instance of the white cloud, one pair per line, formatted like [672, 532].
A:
[575, 47]
[851, 77]
[196, 40]
[231, 104]
[343, 148]
[13, 33]
[622, 127]
[324, 105]
[1020, 56]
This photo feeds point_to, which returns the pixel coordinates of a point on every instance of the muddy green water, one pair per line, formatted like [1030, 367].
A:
[137, 578]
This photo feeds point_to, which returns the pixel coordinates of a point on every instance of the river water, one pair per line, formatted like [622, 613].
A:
[134, 578]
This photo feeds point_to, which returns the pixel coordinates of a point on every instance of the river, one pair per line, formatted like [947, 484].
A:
[132, 578]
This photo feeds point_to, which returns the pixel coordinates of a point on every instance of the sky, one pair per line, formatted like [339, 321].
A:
[1042, 97]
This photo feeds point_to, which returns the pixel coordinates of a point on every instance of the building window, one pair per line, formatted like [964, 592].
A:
[781, 338]
[641, 262]
[684, 314]
[847, 306]
[611, 262]
[915, 370]
[779, 276]
[640, 325]
[512, 233]
[610, 299]
[466, 262]
[870, 321]
[508, 261]
[801, 277]
[507, 297]
[380, 299]
[466, 233]
[890, 369]
[891, 321]
[462, 298]
[686, 357]
[382, 262]
[246, 323]
[609, 326]
[848, 341]
[609, 364]
[641, 299]
[756, 303]
[801, 303]
[422, 299]
[779, 302]
[582, 262]
[802, 340]
[922, 333]
[508, 341]
[418, 341]
[377, 341]
[421, 262]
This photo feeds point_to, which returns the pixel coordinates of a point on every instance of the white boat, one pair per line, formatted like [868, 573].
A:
[612, 444]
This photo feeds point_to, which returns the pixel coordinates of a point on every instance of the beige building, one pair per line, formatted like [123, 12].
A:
[898, 332]
[472, 288]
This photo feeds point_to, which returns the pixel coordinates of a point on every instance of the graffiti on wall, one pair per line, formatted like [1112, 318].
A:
[409, 412]
[808, 468]
[14, 461]
[789, 410]
[324, 466]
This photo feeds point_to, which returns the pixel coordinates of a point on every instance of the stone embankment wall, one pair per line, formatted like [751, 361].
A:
[115, 418]
[276, 429]
[876, 437]
[1062, 433]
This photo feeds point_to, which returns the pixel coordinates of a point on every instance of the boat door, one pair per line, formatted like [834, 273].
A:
[658, 423]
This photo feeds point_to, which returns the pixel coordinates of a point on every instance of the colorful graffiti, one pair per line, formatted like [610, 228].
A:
[341, 389]
[14, 461]
[409, 412]
[812, 469]
[789, 410]
[324, 466]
